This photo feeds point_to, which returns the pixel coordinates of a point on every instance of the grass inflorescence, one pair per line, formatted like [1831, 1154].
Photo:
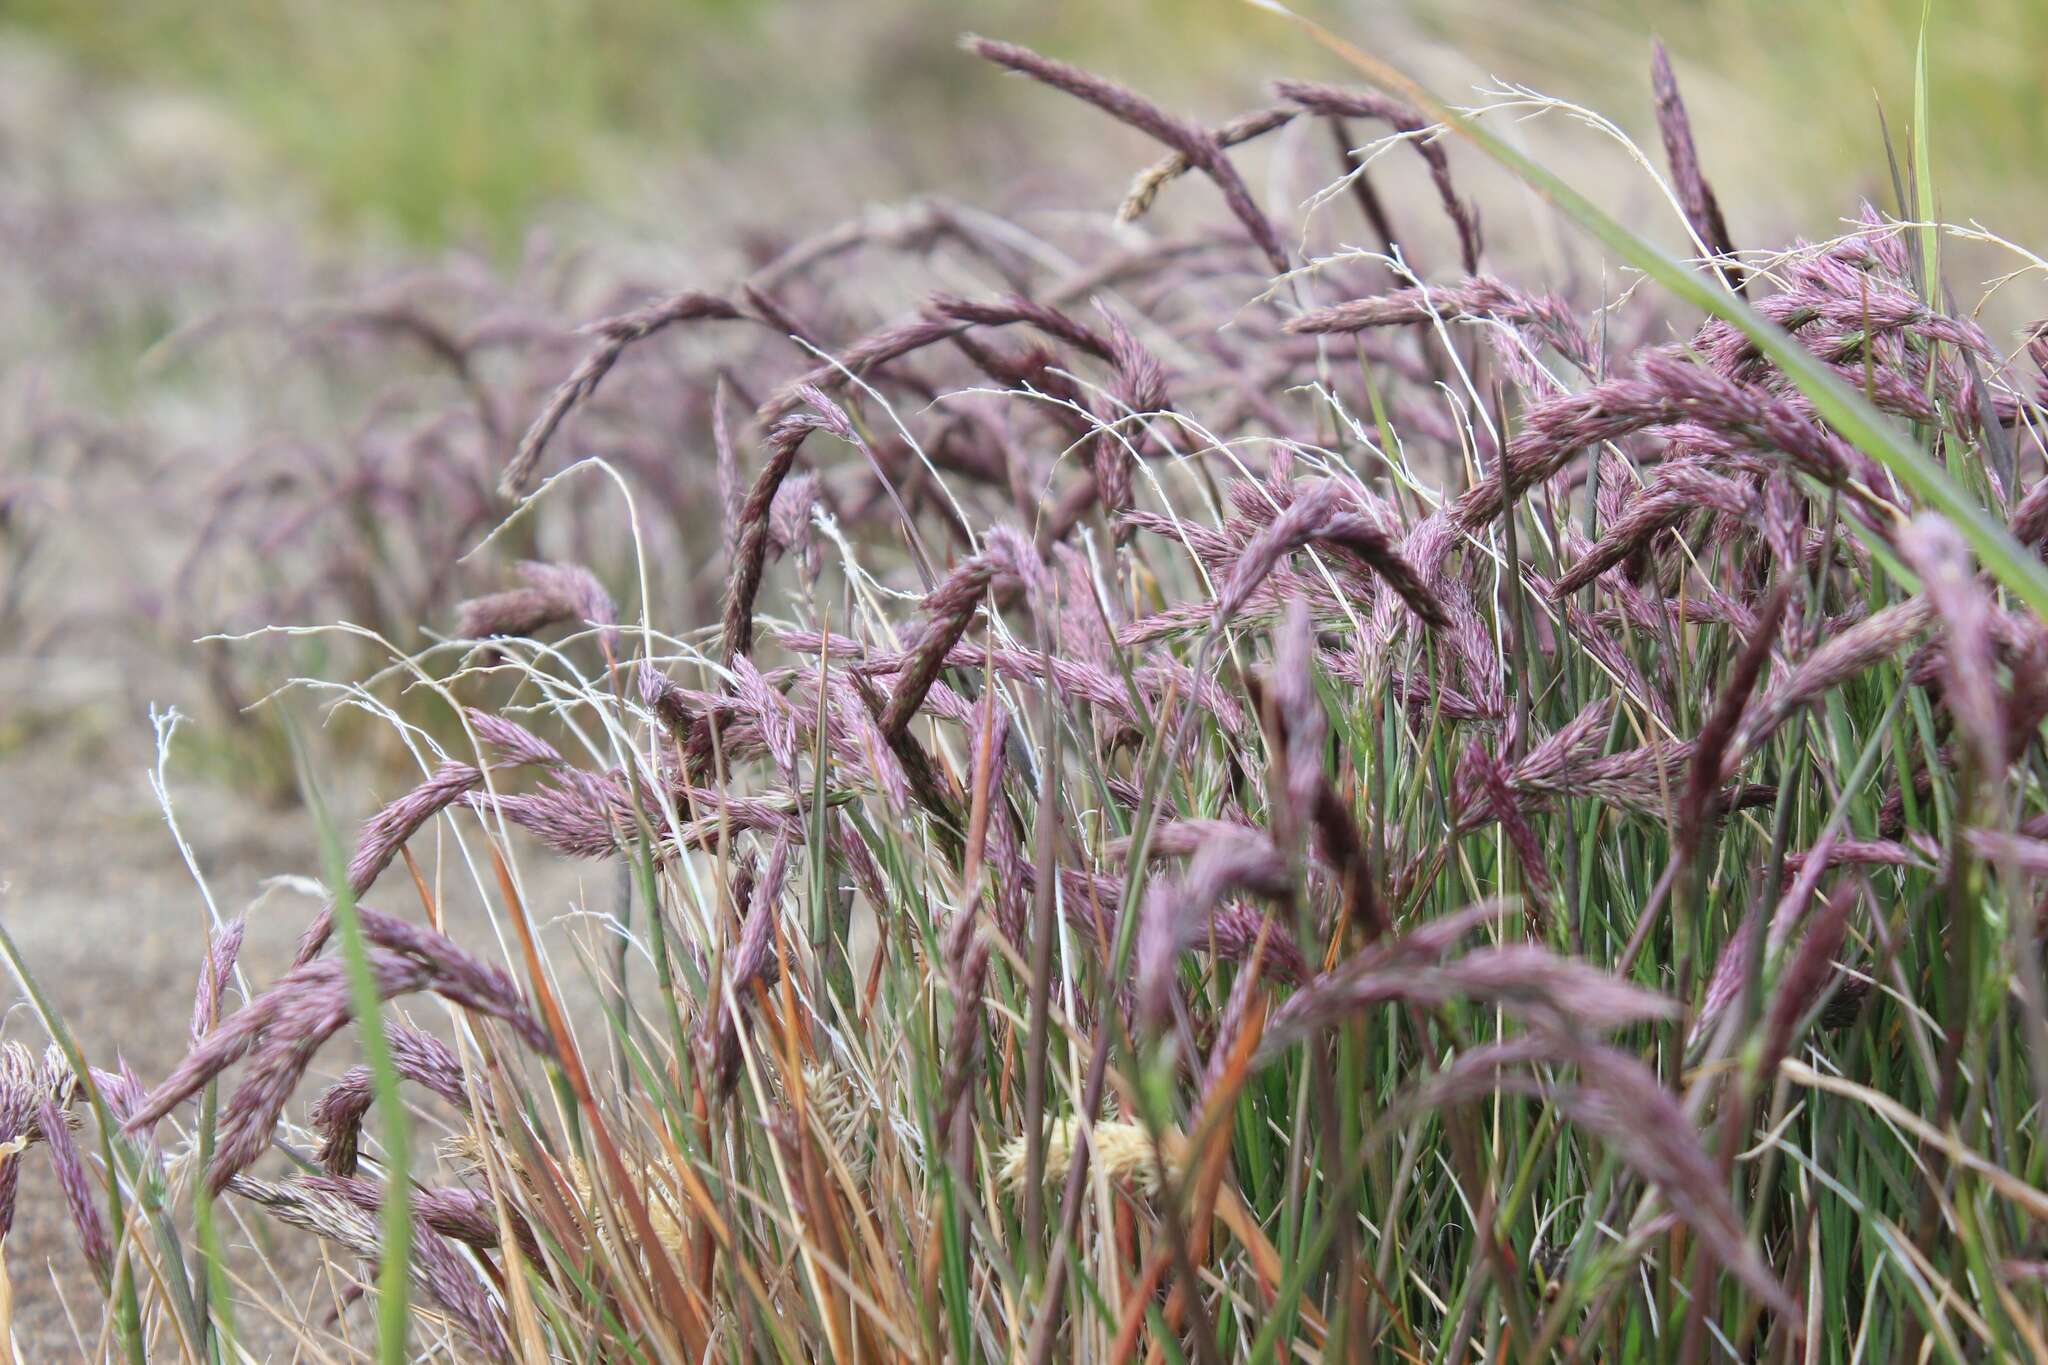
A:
[1243, 796]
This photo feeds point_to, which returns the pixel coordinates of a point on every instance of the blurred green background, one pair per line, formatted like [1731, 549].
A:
[443, 120]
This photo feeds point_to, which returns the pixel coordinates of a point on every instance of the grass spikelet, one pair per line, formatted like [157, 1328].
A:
[1122, 1151]
[1190, 140]
[1056, 795]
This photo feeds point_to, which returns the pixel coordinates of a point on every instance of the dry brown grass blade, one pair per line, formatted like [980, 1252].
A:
[1213, 1198]
[524, 1318]
[703, 1253]
[708, 1215]
[6, 1307]
[1224, 1203]
[497, 1171]
[543, 1181]
[824, 1231]
[884, 1282]
[1140, 1294]
[1207, 1172]
[419, 882]
[977, 817]
[682, 1314]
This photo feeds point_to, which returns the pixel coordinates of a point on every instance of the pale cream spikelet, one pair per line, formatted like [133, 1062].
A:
[1124, 1151]
[462, 1152]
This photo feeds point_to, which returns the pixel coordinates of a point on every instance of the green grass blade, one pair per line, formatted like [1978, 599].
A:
[1923, 167]
[394, 1264]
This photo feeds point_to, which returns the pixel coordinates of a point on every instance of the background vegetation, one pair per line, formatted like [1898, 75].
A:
[463, 117]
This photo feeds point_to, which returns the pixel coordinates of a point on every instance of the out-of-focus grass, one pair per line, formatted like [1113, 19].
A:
[440, 118]
[460, 118]
[1786, 91]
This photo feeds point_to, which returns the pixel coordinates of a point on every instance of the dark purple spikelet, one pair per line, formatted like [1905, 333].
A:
[1533, 981]
[1725, 985]
[214, 976]
[1190, 140]
[1484, 784]
[119, 1089]
[866, 356]
[1806, 975]
[1702, 209]
[790, 529]
[339, 1112]
[582, 596]
[1299, 710]
[1669, 390]
[771, 712]
[1709, 772]
[614, 335]
[283, 1028]
[510, 743]
[1014, 309]
[451, 1282]
[554, 594]
[1970, 688]
[1764, 420]
[754, 957]
[80, 1199]
[1333, 101]
[727, 462]
[461, 1215]
[514, 612]
[753, 962]
[384, 833]
[864, 748]
[318, 1009]
[1324, 511]
[970, 952]
[576, 813]
[1842, 656]
[457, 976]
[387, 831]
[1678, 490]
[1007, 560]
[752, 535]
[1529, 981]
[334, 1212]
[2030, 516]
[1145, 187]
[1138, 387]
[1620, 1099]
[1178, 913]
[1547, 319]
[1184, 837]
[660, 694]
[1860, 853]
[1073, 681]
[28, 1084]
[1557, 428]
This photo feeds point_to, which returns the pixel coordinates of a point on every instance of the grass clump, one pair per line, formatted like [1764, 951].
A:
[1247, 795]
